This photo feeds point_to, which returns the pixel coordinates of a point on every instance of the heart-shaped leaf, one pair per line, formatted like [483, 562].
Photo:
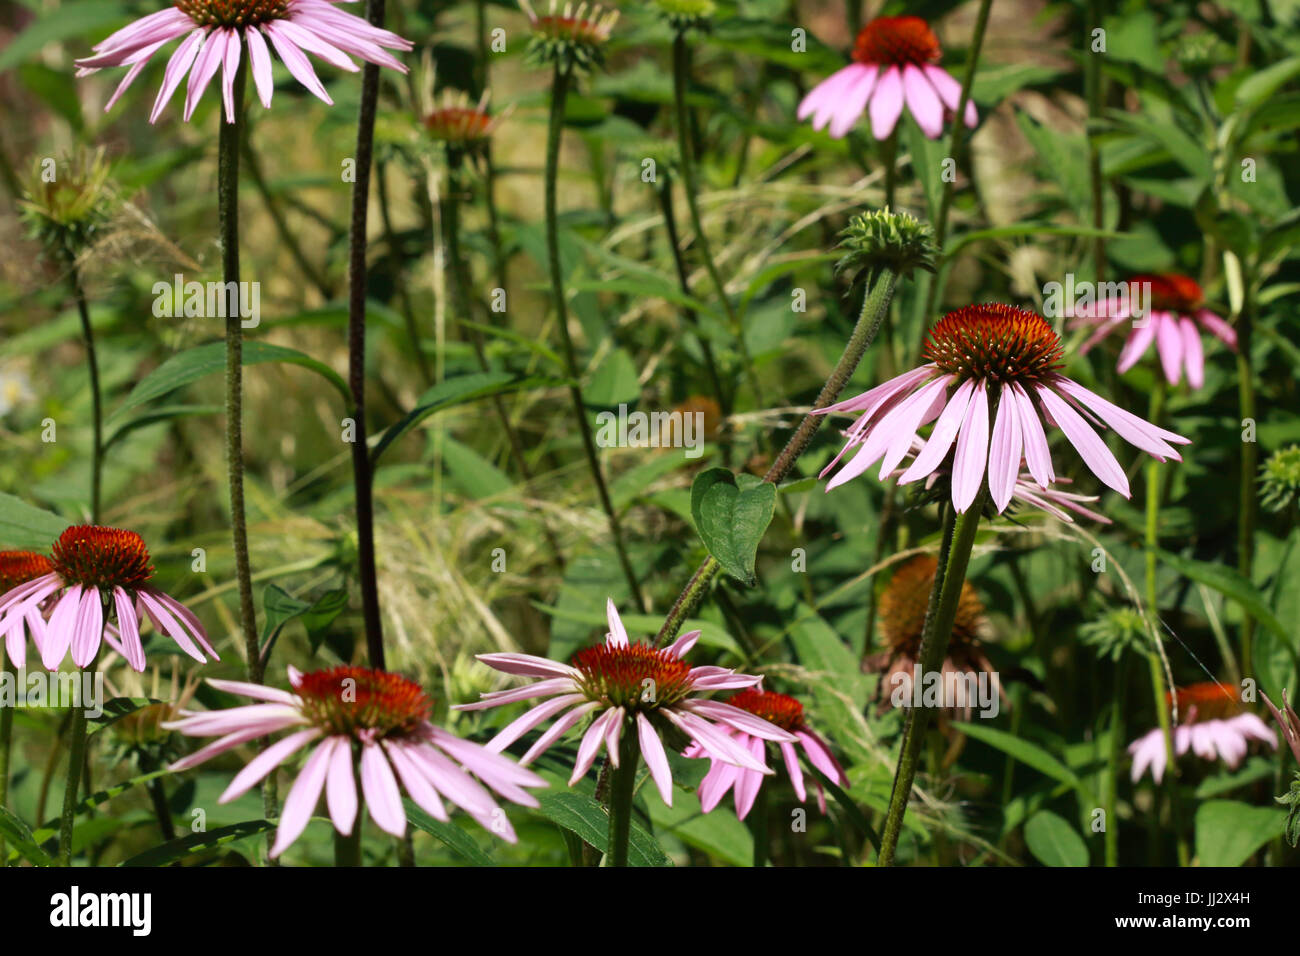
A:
[731, 514]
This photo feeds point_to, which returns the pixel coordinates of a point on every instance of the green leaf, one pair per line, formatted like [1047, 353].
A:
[1053, 842]
[20, 839]
[732, 519]
[198, 843]
[1230, 583]
[117, 708]
[456, 839]
[1259, 86]
[1031, 755]
[24, 527]
[280, 607]
[153, 416]
[1229, 832]
[189, 366]
[582, 815]
[718, 834]
[456, 391]
[613, 383]
[51, 827]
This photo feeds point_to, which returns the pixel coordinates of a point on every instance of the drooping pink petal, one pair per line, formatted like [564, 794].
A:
[949, 91]
[1217, 327]
[89, 628]
[58, 635]
[255, 691]
[1004, 452]
[749, 783]
[590, 746]
[1136, 431]
[205, 67]
[923, 100]
[1169, 343]
[740, 720]
[527, 665]
[1193, 353]
[791, 760]
[543, 688]
[1038, 457]
[415, 780]
[259, 59]
[379, 787]
[820, 756]
[652, 749]
[302, 800]
[557, 730]
[530, 719]
[1139, 341]
[886, 103]
[177, 67]
[968, 464]
[1091, 448]
[821, 101]
[270, 758]
[941, 438]
[231, 60]
[341, 786]
[128, 625]
[853, 102]
[297, 63]
[720, 778]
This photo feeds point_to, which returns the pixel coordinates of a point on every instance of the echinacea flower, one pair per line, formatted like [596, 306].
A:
[362, 722]
[1174, 319]
[1213, 726]
[781, 711]
[18, 568]
[901, 620]
[895, 61]
[985, 359]
[629, 687]
[216, 32]
[460, 123]
[97, 575]
[572, 39]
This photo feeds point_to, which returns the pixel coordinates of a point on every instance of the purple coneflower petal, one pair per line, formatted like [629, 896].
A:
[923, 100]
[270, 758]
[590, 746]
[527, 665]
[819, 755]
[218, 746]
[302, 800]
[1004, 452]
[557, 730]
[1138, 342]
[230, 64]
[617, 636]
[941, 438]
[652, 749]
[379, 787]
[259, 60]
[416, 781]
[790, 758]
[530, 719]
[682, 646]
[128, 626]
[1091, 448]
[341, 785]
[949, 91]
[1169, 343]
[720, 778]
[63, 622]
[854, 101]
[205, 67]
[968, 464]
[886, 103]
[177, 67]
[748, 782]
[89, 629]
[741, 720]
[1217, 327]
[294, 59]
[255, 691]
[1193, 353]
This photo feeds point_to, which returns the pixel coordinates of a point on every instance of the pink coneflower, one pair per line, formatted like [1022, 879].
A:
[1214, 726]
[629, 687]
[1174, 323]
[17, 568]
[894, 62]
[98, 574]
[781, 711]
[359, 716]
[981, 357]
[216, 32]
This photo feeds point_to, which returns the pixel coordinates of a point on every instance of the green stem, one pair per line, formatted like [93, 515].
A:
[555, 131]
[1118, 698]
[1094, 94]
[955, 139]
[681, 79]
[228, 216]
[96, 398]
[622, 789]
[959, 538]
[362, 466]
[1247, 508]
[76, 760]
[758, 827]
[875, 306]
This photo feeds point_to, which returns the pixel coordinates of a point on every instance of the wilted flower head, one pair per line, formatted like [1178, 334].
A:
[782, 711]
[97, 575]
[66, 205]
[216, 32]
[459, 122]
[369, 723]
[901, 620]
[1173, 321]
[1214, 725]
[1279, 480]
[895, 61]
[992, 379]
[629, 687]
[883, 239]
[568, 38]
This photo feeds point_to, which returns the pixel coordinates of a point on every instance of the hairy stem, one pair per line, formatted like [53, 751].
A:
[622, 789]
[362, 474]
[76, 761]
[96, 397]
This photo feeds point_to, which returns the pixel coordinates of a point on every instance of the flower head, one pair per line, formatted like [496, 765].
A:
[781, 711]
[358, 717]
[683, 15]
[895, 61]
[67, 208]
[1213, 726]
[459, 122]
[96, 575]
[881, 238]
[1166, 309]
[215, 33]
[568, 38]
[901, 620]
[629, 687]
[991, 381]
[18, 568]
[1279, 479]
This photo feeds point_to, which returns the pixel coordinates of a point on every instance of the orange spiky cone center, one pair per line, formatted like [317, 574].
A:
[904, 602]
[1171, 292]
[19, 567]
[103, 558]
[636, 676]
[994, 343]
[897, 41]
[233, 13]
[779, 709]
[1212, 701]
[345, 701]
